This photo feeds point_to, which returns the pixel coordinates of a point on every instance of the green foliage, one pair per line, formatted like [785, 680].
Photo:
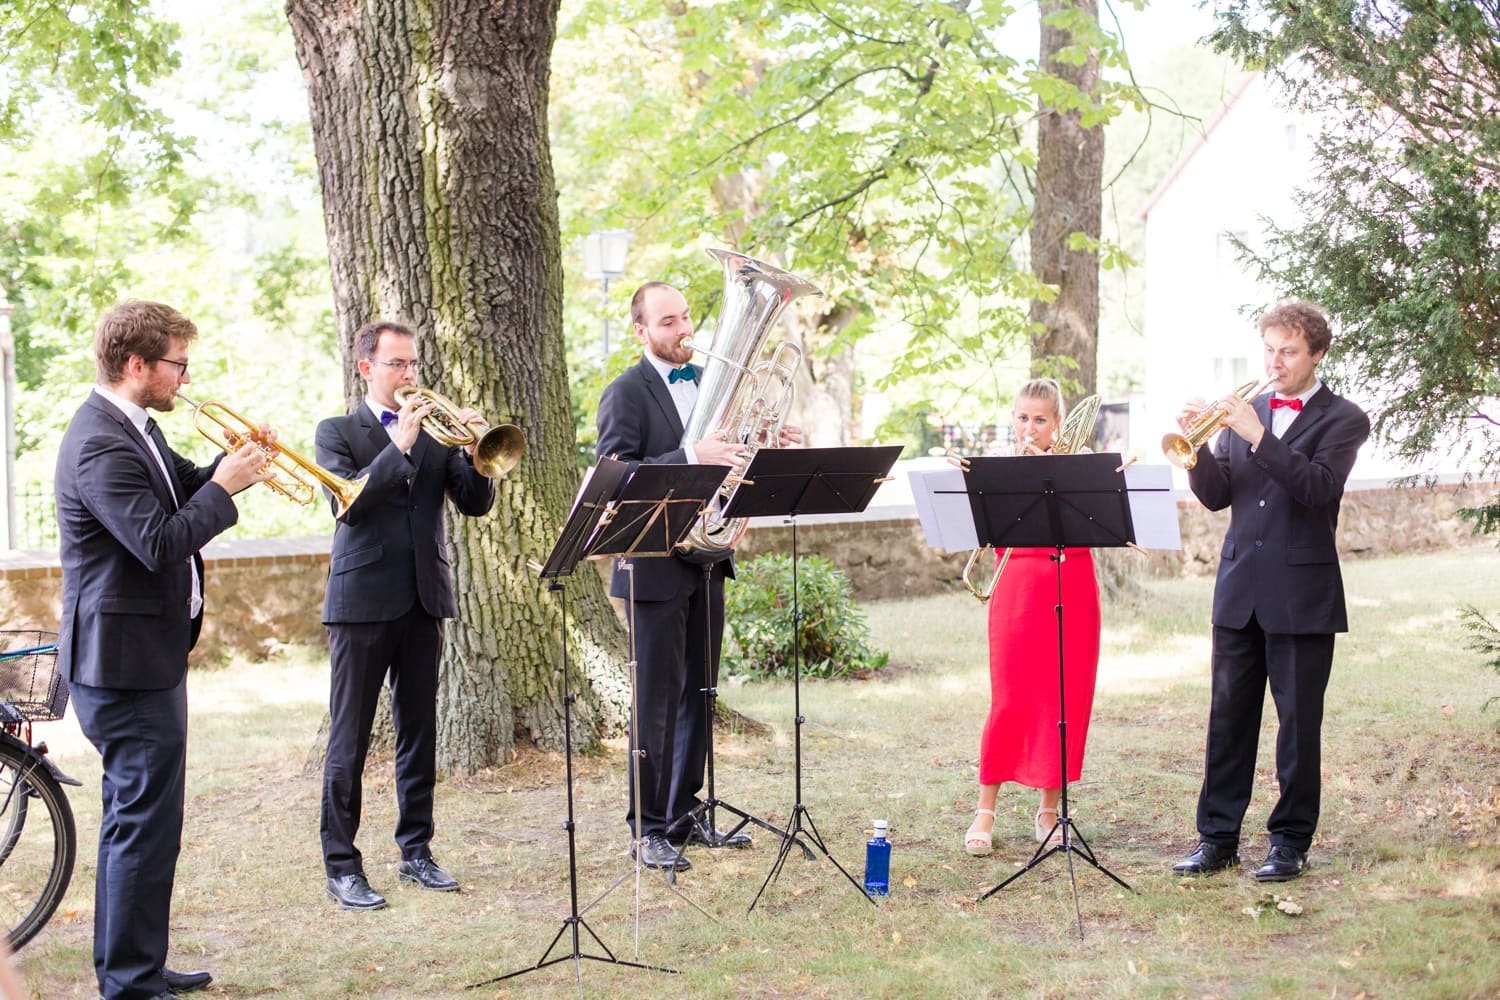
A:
[885, 148]
[1484, 639]
[1399, 233]
[833, 635]
[912, 427]
[164, 159]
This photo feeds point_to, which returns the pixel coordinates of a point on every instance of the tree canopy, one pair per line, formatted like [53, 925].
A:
[885, 147]
[1400, 235]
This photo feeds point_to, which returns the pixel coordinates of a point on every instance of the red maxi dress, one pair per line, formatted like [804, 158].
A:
[1020, 736]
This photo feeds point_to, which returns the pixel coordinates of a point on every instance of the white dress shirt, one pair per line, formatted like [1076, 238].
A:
[684, 393]
[1282, 416]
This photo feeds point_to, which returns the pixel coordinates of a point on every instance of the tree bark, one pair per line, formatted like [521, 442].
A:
[1069, 173]
[429, 120]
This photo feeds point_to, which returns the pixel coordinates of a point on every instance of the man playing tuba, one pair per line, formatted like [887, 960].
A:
[674, 605]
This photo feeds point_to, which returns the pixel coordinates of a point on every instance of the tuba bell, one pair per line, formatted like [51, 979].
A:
[740, 396]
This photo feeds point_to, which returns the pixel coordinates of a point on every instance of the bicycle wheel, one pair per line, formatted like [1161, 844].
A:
[38, 825]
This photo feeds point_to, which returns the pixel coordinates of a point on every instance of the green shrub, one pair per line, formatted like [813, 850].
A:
[758, 620]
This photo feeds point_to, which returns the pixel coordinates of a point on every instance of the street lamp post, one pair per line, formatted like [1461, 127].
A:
[603, 260]
[8, 375]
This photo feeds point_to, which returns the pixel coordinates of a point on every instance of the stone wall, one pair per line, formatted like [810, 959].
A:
[263, 593]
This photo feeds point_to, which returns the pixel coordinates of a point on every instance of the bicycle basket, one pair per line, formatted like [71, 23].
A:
[29, 681]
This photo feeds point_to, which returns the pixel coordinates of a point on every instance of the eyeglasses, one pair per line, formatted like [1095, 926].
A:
[182, 366]
[399, 367]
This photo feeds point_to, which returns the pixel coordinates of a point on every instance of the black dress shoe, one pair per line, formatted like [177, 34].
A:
[352, 892]
[1282, 865]
[1206, 859]
[185, 982]
[657, 852]
[426, 873]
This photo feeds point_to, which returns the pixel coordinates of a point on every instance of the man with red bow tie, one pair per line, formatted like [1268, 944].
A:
[1279, 597]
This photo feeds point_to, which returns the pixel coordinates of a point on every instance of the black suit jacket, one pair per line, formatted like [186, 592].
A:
[390, 548]
[638, 423]
[125, 546]
[1279, 560]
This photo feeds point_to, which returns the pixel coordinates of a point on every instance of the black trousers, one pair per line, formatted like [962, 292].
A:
[142, 738]
[1297, 669]
[671, 637]
[362, 654]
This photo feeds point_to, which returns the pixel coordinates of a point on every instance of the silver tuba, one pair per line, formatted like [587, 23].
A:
[739, 394]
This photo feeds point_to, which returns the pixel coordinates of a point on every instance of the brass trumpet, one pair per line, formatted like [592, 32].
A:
[1182, 449]
[299, 478]
[497, 449]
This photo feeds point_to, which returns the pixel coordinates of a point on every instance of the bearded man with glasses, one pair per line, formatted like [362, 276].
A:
[131, 516]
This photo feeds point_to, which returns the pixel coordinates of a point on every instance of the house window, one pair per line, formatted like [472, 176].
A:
[1231, 372]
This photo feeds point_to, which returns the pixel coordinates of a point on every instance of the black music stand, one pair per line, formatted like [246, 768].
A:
[791, 482]
[649, 516]
[586, 529]
[1056, 502]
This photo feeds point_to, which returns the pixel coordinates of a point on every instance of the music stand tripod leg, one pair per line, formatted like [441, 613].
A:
[1064, 821]
[702, 816]
[794, 829]
[572, 923]
[634, 868]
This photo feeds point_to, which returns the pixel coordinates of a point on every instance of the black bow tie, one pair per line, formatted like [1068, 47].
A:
[150, 426]
[687, 373]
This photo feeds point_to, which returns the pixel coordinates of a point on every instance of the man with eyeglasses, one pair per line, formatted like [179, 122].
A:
[132, 515]
[389, 589]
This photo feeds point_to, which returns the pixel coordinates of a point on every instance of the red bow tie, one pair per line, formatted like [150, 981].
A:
[1292, 404]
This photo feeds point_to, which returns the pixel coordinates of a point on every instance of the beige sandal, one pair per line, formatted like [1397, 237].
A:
[977, 842]
[1049, 833]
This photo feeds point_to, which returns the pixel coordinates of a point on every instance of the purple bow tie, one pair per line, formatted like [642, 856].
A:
[387, 418]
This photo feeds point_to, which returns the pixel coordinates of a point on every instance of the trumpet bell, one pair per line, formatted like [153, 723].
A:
[344, 491]
[1179, 451]
[1182, 449]
[499, 450]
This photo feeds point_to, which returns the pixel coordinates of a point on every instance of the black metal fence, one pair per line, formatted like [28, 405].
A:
[36, 517]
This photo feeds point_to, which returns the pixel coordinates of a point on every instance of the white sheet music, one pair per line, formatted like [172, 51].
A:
[1153, 507]
[943, 508]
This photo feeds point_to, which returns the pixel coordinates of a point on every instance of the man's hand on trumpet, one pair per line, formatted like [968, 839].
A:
[1240, 417]
[264, 438]
[414, 410]
[245, 465]
[470, 417]
[789, 435]
[1189, 412]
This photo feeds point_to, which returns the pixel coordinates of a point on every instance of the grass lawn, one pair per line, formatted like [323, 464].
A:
[1403, 899]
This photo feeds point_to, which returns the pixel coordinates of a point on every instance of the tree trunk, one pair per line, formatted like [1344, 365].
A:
[1069, 172]
[429, 119]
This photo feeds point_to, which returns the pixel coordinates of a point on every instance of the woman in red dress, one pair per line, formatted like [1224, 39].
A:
[1020, 740]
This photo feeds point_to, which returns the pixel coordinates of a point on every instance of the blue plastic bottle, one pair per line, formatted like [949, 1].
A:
[878, 862]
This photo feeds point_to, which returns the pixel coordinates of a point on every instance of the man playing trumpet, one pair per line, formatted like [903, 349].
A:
[132, 515]
[1279, 597]
[389, 589]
